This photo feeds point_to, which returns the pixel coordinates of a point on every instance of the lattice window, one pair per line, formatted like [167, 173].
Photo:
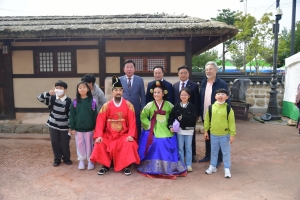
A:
[146, 64]
[152, 62]
[64, 61]
[55, 61]
[46, 61]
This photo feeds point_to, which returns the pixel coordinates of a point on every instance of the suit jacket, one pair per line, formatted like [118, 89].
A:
[194, 98]
[218, 84]
[136, 95]
[149, 95]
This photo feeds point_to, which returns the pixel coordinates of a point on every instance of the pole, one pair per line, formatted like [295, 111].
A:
[273, 106]
[245, 43]
[293, 28]
[244, 59]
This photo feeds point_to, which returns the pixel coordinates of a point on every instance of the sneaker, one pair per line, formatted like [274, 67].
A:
[205, 159]
[81, 164]
[127, 172]
[90, 165]
[227, 173]
[211, 169]
[68, 162]
[56, 164]
[103, 170]
[189, 168]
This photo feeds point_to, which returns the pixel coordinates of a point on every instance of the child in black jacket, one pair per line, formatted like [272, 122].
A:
[185, 113]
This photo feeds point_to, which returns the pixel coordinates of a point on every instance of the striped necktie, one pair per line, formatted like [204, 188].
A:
[129, 83]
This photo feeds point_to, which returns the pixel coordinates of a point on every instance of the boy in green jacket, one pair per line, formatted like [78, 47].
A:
[222, 131]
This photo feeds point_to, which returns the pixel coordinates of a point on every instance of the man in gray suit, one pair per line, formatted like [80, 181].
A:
[133, 90]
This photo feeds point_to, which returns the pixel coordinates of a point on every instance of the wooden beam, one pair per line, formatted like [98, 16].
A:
[9, 97]
[102, 64]
[188, 54]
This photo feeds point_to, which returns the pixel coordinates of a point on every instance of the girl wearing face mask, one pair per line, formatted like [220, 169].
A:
[185, 113]
[59, 106]
[83, 113]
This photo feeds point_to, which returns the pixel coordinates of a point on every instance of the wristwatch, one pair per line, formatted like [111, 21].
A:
[171, 126]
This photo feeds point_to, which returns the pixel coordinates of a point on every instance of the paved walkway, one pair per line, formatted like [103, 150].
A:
[265, 165]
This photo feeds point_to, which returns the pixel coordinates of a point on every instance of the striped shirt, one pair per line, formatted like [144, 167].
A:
[59, 113]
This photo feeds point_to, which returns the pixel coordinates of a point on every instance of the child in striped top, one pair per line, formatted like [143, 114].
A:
[58, 121]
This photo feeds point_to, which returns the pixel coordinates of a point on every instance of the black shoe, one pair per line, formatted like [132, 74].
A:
[103, 170]
[56, 164]
[68, 162]
[127, 172]
[218, 164]
[194, 159]
[205, 159]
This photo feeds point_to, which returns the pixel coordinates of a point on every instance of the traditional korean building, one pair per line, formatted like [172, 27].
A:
[38, 51]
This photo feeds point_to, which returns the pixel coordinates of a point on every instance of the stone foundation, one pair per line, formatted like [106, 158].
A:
[258, 96]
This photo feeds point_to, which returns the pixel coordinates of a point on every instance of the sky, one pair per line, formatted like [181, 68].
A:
[205, 9]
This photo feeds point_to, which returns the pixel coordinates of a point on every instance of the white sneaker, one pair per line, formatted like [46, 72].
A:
[227, 173]
[81, 164]
[90, 165]
[211, 169]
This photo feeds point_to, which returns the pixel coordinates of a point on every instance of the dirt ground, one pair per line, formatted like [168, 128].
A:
[265, 165]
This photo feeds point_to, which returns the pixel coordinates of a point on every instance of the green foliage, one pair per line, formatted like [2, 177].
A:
[257, 34]
[227, 16]
[246, 25]
[199, 61]
[237, 59]
[284, 44]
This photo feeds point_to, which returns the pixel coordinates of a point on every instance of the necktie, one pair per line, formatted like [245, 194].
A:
[129, 83]
[182, 85]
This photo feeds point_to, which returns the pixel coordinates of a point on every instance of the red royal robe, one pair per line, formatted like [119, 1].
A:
[114, 125]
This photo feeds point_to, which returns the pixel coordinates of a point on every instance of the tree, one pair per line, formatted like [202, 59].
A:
[237, 59]
[259, 48]
[227, 16]
[284, 44]
[199, 61]
[259, 37]
[266, 36]
[246, 25]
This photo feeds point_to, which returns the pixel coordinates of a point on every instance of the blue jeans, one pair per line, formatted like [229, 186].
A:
[185, 140]
[216, 143]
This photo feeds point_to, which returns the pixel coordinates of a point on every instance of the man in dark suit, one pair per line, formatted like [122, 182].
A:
[133, 90]
[207, 97]
[158, 72]
[183, 74]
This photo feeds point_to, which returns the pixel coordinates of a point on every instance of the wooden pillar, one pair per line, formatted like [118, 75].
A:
[102, 64]
[188, 54]
[9, 95]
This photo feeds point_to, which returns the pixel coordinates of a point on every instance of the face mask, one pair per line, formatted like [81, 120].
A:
[59, 92]
[221, 102]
